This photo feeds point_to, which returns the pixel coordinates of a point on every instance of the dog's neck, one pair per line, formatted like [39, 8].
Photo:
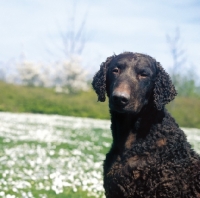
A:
[127, 127]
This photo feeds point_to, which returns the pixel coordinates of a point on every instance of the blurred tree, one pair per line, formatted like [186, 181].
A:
[178, 56]
[72, 78]
[74, 38]
[182, 77]
[29, 74]
[2, 72]
[65, 75]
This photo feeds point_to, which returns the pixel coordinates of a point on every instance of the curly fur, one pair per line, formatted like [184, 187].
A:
[164, 90]
[99, 80]
[150, 156]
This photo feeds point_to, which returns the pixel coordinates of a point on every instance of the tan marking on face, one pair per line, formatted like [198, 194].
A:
[123, 88]
[130, 139]
[161, 142]
[136, 105]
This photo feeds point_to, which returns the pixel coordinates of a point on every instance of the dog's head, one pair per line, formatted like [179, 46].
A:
[131, 81]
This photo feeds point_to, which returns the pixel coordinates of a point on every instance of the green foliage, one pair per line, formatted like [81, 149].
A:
[185, 85]
[186, 110]
[43, 100]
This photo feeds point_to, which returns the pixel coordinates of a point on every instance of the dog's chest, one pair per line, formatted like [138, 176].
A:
[124, 175]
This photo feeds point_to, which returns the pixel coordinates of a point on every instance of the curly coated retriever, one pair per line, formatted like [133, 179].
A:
[150, 156]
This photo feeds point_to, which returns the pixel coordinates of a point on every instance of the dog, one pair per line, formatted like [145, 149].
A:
[150, 156]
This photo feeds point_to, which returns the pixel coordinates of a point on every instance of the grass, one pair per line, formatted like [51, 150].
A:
[186, 111]
[43, 100]
[15, 98]
[47, 156]
[51, 156]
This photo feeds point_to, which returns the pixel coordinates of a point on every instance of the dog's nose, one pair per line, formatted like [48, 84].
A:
[120, 98]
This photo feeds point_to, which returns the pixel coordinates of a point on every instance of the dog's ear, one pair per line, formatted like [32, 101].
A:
[164, 90]
[99, 80]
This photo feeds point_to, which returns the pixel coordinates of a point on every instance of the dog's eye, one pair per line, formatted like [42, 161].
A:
[143, 75]
[115, 70]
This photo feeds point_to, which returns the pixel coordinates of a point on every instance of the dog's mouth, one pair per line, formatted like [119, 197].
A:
[117, 107]
[122, 108]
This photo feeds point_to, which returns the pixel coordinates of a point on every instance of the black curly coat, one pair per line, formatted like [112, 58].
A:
[150, 156]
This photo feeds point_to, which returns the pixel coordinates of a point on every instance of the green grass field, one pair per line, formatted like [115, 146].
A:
[48, 156]
[16, 98]
[45, 101]
[51, 156]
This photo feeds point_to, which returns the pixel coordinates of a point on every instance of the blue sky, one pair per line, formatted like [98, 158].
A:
[112, 26]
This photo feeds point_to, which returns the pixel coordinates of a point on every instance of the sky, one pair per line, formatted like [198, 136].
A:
[34, 28]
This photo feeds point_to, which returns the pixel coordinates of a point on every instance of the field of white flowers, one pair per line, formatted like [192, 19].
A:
[44, 156]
